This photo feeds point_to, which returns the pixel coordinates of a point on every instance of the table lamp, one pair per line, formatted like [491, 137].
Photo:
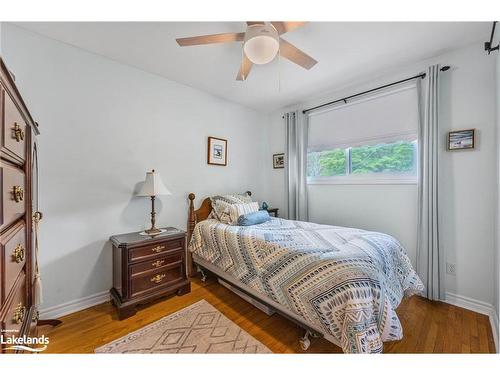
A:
[152, 187]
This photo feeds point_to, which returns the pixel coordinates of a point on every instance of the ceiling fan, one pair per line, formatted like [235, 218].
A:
[261, 43]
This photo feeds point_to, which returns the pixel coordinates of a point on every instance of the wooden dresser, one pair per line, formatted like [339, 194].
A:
[146, 268]
[18, 186]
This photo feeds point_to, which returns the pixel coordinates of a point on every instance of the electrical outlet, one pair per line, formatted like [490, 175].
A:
[451, 269]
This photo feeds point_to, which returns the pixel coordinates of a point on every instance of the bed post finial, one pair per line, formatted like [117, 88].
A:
[191, 216]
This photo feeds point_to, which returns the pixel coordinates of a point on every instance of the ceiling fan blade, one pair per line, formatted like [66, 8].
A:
[250, 23]
[284, 27]
[210, 39]
[245, 67]
[292, 53]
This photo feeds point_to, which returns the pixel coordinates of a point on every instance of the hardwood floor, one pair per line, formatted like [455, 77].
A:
[429, 327]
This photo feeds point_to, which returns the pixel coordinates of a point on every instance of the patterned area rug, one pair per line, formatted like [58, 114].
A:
[199, 328]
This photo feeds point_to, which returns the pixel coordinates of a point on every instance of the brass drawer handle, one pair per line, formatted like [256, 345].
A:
[158, 278]
[158, 263]
[19, 312]
[158, 248]
[18, 132]
[18, 192]
[18, 253]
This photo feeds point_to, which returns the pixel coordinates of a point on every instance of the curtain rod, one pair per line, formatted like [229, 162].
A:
[487, 45]
[421, 75]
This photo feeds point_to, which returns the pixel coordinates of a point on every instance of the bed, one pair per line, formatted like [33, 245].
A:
[343, 284]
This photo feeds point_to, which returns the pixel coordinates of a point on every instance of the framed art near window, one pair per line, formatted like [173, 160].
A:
[461, 139]
[217, 151]
[278, 161]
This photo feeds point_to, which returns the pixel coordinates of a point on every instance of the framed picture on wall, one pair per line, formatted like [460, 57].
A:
[461, 139]
[217, 151]
[278, 161]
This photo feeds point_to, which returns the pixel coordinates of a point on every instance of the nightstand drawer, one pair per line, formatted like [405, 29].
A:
[159, 262]
[162, 277]
[152, 251]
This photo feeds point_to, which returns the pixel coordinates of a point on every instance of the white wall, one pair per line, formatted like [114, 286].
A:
[276, 177]
[103, 125]
[1, 27]
[468, 178]
[497, 223]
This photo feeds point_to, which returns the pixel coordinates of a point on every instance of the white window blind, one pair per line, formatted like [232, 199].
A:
[387, 116]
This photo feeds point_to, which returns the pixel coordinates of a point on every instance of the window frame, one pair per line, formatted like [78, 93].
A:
[369, 178]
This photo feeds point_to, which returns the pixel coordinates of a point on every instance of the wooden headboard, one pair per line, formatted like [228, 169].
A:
[195, 216]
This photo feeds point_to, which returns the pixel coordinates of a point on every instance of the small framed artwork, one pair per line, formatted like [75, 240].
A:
[461, 139]
[278, 161]
[217, 151]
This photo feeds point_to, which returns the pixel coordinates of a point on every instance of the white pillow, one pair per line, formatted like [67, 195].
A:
[236, 210]
[221, 203]
[221, 211]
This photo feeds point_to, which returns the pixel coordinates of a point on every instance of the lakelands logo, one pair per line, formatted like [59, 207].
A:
[30, 344]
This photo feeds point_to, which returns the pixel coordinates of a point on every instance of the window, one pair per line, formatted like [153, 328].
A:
[389, 161]
[368, 141]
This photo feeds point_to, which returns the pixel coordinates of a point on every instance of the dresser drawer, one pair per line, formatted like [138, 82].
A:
[13, 194]
[152, 251]
[13, 247]
[14, 130]
[162, 277]
[17, 311]
[156, 263]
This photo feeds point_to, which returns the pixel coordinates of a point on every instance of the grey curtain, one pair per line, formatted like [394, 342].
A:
[295, 167]
[430, 257]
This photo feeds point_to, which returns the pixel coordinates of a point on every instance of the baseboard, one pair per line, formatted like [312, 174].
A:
[479, 307]
[469, 303]
[494, 328]
[74, 306]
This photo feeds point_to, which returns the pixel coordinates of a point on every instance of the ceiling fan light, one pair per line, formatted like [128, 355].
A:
[261, 44]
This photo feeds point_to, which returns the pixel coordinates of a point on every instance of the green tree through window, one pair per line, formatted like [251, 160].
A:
[391, 158]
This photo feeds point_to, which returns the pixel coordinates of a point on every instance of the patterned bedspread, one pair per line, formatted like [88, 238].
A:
[345, 282]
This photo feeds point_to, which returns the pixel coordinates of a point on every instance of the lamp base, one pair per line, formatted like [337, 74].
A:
[153, 233]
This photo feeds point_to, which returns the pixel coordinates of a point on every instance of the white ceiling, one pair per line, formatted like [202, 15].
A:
[345, 51]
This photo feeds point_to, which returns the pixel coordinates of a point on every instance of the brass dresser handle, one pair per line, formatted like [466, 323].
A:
[18, 253]
[158, 263]
[18, 132]
[19, 312]
[18, 193]
[158, 248]
[158, 278]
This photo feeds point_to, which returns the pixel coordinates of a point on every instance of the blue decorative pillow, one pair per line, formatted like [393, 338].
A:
[253, 218]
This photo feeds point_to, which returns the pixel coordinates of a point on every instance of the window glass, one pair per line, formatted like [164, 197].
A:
[326, 163]
[395, 159]
[398, 157]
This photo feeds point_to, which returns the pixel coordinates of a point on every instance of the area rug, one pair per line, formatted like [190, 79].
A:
[198, 328]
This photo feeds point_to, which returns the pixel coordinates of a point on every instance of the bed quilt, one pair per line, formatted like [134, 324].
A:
[345, 282]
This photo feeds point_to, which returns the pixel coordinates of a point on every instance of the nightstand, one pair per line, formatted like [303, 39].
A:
[146, 268]
[273, 211]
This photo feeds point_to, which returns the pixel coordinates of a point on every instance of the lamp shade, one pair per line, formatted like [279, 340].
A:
[261, 43]
[153, 186]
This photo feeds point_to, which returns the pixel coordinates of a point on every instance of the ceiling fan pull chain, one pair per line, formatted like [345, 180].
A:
[279, 69]
[242, 63]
